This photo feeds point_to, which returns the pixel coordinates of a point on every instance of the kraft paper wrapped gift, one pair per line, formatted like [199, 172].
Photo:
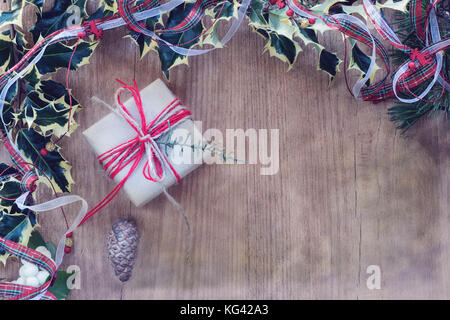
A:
[113, 130]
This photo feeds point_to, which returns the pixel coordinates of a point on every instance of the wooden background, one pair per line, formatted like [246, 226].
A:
[351, 192]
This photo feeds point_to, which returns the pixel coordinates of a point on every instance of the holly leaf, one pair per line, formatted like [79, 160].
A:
[6, 51]
[106, 8]
[51, 164]
[13, 15]
[224, 11]
[401, 5]
[15, 224]
[256, 16]
[361, 62]
[10, 189]
[279, 23]
[57, 56]
[65, 13]
[187, 39]
[48, 107]
[283, 48]
[7, 170]
[329, 63]
[17, 228]
[36, 240]
[59, 288]
[146, 44]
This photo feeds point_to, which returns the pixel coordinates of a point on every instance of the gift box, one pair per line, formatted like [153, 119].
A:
[113, 130]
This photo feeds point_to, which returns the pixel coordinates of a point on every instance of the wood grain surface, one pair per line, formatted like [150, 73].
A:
[350, 193]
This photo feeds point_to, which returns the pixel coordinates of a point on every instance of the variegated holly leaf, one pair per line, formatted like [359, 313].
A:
[7, 60]
[279, 31]
[257, 14]
[361, 62]
[33, 77]
[17, 228]
[6, 50]
[15, 224]
[187, 39]
[147, 44]
[283, 48]
[12, 47]
[65, 13]
[48, 107]
[106, 8]
[329, 62]
[401, 5]
[39, 4]
[57, 56]
[8, 109]
[10, 187]
[14, 13]
[51, 164]
[224, 11]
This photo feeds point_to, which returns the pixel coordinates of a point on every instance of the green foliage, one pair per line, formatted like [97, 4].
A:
[63, 14]
[58, 56]
[48, 108]
[15, 224]
[285, 35]
[187, 39]
[59, 287]
[51, 165]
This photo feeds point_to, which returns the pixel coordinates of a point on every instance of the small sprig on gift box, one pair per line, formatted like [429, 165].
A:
[211, 148]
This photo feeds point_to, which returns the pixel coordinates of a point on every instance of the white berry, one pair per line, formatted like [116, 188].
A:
[21, 281]
[32, 282]
[42, 276]
[28, 270]
[44, 251]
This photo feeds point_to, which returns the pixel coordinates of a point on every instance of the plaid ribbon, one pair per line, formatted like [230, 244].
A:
[348, 26]
[425, 59]
[382, 26]
[12, 291]
[192, 19]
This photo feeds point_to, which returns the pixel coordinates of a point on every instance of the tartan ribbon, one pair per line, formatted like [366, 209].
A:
[428, 61]
[357, 30]
[12, 291]
[193, 17]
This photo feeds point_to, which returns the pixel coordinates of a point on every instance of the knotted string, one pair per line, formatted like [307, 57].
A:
[143, 147]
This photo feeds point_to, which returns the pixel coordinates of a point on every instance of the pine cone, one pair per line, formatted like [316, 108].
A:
[122, 248]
